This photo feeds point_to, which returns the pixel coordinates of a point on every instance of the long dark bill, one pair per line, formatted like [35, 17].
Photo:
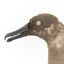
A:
[17, 34]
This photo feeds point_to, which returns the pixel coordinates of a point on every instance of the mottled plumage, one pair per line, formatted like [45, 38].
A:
[49, 28]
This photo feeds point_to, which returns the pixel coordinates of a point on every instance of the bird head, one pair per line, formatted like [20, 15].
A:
[42, 25]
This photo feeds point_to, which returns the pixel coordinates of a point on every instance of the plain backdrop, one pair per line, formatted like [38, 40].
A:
[13, 15]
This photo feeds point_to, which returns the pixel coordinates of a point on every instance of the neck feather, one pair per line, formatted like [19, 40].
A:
[56, 49]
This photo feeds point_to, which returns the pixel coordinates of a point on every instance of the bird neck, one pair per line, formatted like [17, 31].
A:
[56, 50]
[56, 56]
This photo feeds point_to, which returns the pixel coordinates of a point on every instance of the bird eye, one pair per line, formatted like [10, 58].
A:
[38, 23]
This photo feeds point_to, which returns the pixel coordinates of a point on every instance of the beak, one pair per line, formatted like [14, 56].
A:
[17, 34]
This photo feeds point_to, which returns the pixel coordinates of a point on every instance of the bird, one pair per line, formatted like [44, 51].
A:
[47, 27]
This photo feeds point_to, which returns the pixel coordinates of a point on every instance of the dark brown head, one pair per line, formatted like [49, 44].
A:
[42, 25]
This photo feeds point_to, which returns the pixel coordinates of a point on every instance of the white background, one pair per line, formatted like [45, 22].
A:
[13, 15]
